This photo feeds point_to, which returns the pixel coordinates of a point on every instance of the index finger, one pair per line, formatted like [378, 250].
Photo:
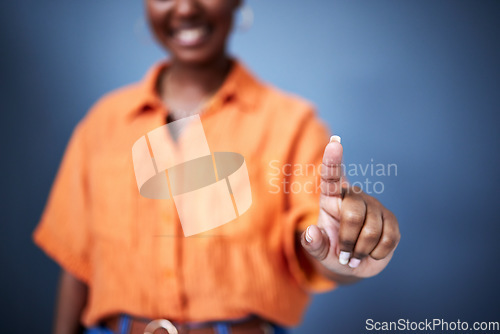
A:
[331, 168]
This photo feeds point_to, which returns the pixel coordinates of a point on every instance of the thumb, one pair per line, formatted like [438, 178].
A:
[316, 242]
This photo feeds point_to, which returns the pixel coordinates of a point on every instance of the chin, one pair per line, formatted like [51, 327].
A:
[196, 57]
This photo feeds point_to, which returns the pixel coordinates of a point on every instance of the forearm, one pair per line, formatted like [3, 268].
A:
[71, 299]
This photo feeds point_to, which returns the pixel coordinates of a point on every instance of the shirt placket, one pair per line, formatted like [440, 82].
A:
[171, 301]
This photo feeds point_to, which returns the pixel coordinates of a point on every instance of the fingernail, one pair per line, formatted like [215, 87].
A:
[344, 257]
[335, 138]
[340, 203]
[308, 236]
[354, 263]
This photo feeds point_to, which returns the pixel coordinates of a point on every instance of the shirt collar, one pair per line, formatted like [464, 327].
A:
[240, 86]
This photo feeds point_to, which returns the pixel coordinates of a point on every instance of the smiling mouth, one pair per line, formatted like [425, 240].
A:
[191, 36]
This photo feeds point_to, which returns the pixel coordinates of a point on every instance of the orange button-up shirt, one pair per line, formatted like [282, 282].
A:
[131, 251]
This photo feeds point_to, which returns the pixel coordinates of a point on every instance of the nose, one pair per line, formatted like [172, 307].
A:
[186, 7]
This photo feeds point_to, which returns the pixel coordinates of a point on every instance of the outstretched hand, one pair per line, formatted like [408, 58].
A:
[355, 235]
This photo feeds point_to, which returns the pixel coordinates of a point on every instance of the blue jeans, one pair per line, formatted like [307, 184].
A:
[222, 327]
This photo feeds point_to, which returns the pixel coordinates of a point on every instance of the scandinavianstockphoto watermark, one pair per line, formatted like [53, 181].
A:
[295, 178]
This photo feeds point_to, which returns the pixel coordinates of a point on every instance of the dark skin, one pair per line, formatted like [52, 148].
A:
[195, 33]
[71, 300]
[350, 222]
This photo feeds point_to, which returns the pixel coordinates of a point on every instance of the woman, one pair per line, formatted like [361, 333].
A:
[126, 263]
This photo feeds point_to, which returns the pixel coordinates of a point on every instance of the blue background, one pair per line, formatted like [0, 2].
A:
[415, 83]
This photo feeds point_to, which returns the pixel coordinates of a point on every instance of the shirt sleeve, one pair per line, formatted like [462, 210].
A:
[303, 200]
[62, 232]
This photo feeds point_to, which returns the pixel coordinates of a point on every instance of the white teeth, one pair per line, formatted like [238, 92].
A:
[191, 35]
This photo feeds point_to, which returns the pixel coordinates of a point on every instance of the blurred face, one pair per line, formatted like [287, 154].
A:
[193, 31]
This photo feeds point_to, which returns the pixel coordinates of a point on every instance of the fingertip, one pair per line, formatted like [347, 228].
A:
[336, 139]
[313, 241]
[333, 153]
[354, 262]
[312, 234]
[308, 236]
[344, 257]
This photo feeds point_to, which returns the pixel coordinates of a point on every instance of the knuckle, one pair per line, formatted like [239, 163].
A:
[331, 177]
[372, 200]
[330, 188]
[316, 252]
[388, 215]
[355, 190]
[388, 242]
[397, 238]
[353, 217]
[371, 234]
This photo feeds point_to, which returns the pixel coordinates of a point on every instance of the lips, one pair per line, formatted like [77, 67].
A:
[191, 36]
